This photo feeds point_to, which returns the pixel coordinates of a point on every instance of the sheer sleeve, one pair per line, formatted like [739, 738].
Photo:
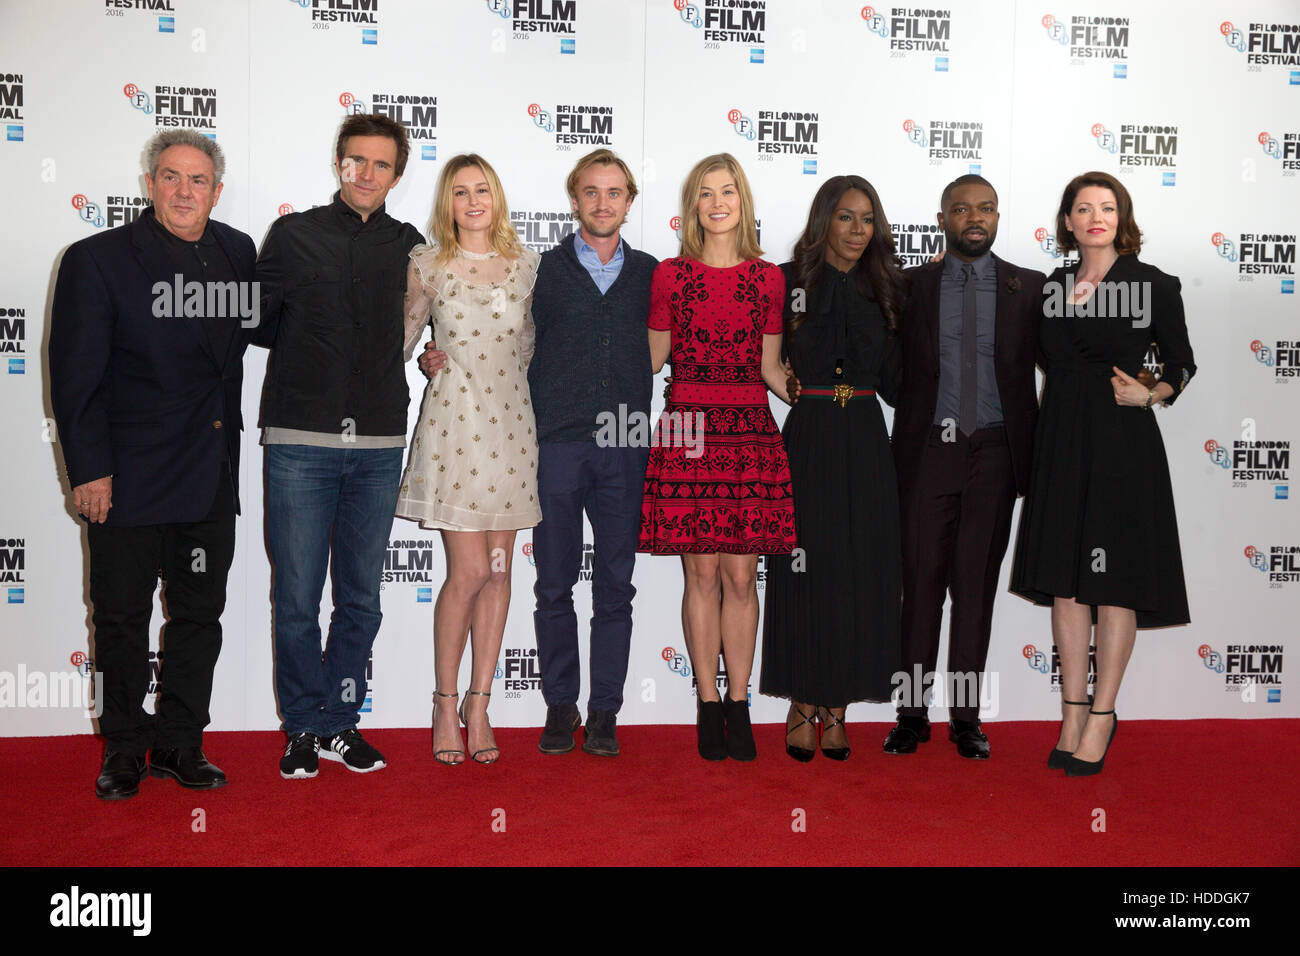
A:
[523, 280]
[418, 300]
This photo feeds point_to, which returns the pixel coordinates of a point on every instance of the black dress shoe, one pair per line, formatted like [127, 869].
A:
[120, 776]
[557, 735]
[1074, 767]
[599, 736]
[907, 733]
[971, 742]
[187, 766]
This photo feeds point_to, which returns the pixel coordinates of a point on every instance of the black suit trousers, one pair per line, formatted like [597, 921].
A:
[956, 522]
[125, 563]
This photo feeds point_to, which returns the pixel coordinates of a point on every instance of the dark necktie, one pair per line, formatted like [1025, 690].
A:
[969, 333]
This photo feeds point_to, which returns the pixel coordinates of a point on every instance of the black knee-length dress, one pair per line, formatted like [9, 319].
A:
[1098, 523]
[831, 630]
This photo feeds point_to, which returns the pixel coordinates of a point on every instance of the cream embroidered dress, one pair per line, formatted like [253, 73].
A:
[473, 460]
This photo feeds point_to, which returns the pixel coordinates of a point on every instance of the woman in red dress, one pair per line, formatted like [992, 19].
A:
[717, 487]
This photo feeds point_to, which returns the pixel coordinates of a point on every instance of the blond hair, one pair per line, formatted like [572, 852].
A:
[442, 226]
[693, 233]
[600, 157]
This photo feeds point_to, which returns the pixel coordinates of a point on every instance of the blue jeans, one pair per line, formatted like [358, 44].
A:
[318, 497]
[606, 483]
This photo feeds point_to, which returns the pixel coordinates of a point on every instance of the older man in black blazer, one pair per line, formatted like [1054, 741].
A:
[963, 429]
[150, 323]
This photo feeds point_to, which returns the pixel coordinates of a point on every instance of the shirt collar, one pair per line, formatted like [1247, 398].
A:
[582, 247]
[207, 239]
[343, 209]
[952, 266]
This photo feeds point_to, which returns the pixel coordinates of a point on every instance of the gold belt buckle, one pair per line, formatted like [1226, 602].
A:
[842, 394]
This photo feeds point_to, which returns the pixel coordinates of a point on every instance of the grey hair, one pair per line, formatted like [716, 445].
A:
[185, 137]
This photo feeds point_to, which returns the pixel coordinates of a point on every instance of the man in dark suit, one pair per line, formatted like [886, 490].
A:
[150, 323]
[963, 429]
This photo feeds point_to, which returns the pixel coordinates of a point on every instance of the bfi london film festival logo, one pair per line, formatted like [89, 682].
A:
[113, 211]
[408, 563]
[1260, 254]
[1281, 562]
[417, 112]
[519, 671]
[680, 664]
[1141, 146]
[1283, 357]
[1245, 668]
[1046, 240]
[530, 18]
[1285, 150]
[1092, 39]
[13, 569]
[13, 339]
[1253, 461]
[916, 243]
[11, 106]
[583, 126]
[948, 140]
[1266, 44]
[540, 229]
[162, 9]
[176, 107]
[780, 133]
[326, 14]
[728, 24]
[911, 31]
[1048, 663]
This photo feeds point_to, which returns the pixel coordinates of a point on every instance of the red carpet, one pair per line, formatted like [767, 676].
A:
[1174, 793]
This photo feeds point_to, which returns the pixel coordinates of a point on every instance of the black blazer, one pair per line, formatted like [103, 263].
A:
[1019, 309]
[138, 396]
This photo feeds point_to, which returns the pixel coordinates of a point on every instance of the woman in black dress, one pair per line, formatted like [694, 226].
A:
[831, 618]
[1098, 538]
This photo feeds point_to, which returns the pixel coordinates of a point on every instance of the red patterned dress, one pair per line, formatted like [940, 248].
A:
[724, 487]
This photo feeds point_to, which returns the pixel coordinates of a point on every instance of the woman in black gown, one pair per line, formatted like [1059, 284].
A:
[1098, 538]
[831, 617]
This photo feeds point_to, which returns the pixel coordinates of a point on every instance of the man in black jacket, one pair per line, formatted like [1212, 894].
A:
[334, 426]
[963, 430]
[149, 327]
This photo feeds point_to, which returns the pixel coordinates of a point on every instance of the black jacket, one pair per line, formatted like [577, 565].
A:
[138, 395]
[332, 290]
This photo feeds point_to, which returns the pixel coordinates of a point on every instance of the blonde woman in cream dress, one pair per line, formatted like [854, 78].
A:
[472, 472]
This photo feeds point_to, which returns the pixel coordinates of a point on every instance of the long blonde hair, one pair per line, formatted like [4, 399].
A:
[442, 226]
[692, 233]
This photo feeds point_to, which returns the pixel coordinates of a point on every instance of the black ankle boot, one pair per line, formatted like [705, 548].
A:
[740, 735]
[709, 730]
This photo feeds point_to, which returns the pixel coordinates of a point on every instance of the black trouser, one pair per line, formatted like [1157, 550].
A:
[194, 560]
[956, 521]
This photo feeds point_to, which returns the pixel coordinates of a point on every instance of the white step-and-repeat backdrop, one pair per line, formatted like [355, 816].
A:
[1194, 105]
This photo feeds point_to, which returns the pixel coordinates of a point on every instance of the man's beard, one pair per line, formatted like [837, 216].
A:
[972, 249]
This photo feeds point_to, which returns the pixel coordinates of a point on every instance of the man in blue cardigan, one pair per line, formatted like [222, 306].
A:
[591, 366]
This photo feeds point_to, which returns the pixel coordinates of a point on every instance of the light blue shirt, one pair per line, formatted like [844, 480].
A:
[602, 273]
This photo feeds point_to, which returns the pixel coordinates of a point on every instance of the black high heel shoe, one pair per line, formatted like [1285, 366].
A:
[1074, 767]
[802, 754]
[835, 753]
[1056, 760]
